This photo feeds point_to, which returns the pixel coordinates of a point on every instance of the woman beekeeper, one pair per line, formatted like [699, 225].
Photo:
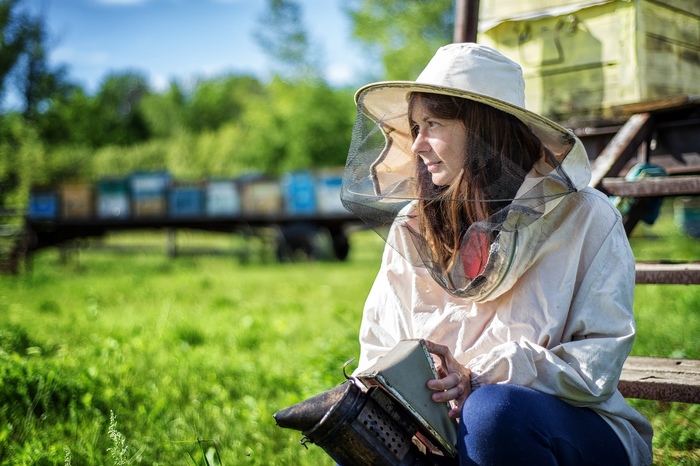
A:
[498, 253]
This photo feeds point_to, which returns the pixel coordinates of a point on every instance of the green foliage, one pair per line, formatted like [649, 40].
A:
[21, 160]
[118, 160]
[280, 127]
[227, 128]
[676, 431]
[668, 325]
[34, 394]
[71, 120]
[213, 103]
[120, 118]
[192, 356]
[297, 125]
[22, 157]
[405, 34]
[216, 102]
[164, 113]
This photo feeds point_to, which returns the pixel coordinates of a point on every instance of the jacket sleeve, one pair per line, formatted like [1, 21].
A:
[382, 325]
[594, 340]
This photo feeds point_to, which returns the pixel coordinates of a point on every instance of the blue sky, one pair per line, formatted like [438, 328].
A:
[186, 39]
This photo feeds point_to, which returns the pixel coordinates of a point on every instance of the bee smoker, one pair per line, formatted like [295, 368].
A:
[359, 427]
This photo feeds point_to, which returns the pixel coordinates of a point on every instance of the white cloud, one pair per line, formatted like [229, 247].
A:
[159, 82]
[73, 56]
[340, 74]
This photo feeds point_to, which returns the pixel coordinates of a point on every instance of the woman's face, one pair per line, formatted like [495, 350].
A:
[440, 143]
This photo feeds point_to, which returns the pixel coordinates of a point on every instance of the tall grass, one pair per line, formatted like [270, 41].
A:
[117, 349]
[201, 349]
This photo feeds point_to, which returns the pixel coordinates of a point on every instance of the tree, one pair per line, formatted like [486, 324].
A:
[283, 37]
[23, 60]
[112, 116]
[218, 101]
[404, 33]
[71, 118]
[120, 120]
[15, 31]
[38, 82]
[164, 113]
[297, 126]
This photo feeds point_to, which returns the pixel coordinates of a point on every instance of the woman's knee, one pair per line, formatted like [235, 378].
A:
[492, 400]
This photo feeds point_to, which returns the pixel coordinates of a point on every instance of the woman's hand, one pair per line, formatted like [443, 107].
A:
[454, 384]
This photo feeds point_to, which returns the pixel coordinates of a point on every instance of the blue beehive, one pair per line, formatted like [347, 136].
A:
[186, 201]
[148, 193]
[299, 193]
[43, 205]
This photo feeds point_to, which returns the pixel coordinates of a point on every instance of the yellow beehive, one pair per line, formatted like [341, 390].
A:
[583, 60]
[261, 196]
[76, 200]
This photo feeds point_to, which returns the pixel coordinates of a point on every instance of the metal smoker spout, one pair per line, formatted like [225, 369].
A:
[305, 415]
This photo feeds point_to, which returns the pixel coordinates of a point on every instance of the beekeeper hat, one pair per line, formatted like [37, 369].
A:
[467, 70]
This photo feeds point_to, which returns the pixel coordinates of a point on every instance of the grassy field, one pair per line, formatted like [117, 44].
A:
[116, 354]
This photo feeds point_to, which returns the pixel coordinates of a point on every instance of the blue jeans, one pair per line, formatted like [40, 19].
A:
[514, 425]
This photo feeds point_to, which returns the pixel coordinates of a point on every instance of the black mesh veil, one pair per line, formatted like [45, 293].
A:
[389, 188]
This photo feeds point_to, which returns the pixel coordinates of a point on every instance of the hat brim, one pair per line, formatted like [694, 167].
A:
[386, 103]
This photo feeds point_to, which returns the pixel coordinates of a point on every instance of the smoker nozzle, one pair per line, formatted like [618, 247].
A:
[306, 414]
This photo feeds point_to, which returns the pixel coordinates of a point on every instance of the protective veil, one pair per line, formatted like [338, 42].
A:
[384, 182]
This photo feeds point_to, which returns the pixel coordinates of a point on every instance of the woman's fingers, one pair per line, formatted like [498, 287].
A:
[438, 350]
[454, 384]
[451, 380]
[455, 396]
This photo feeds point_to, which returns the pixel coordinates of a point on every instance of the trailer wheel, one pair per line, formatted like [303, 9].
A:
[341, 245]
[295, 242]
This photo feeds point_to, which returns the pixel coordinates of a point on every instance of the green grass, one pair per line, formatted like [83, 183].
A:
[197, 350]
[668, 325]
[117, 354]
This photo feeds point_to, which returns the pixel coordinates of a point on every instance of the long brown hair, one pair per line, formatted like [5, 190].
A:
[500, 151]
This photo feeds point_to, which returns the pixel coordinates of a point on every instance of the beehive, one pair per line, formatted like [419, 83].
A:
[299, 193]
[186, 201]
[328, 184]
[113, 198]
[584, 60]
[76, 200]
[261, 196]
[43, 204]
[148, 193]
[222, 198]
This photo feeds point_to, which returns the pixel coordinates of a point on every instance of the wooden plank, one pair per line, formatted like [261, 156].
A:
[650, 273]
[621, 148]
[661, 379]
[683, 170]
[653, 187]
[656, 104]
